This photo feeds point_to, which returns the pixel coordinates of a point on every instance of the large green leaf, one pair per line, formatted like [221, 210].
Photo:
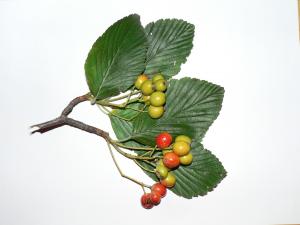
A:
[192, 106]
[170, 43]
[200, 177]
[116, 58]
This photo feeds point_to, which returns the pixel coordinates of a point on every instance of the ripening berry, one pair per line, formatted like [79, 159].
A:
[169, 181]
[171, 160]
[140, 80]
[183, 138]
[181, 148]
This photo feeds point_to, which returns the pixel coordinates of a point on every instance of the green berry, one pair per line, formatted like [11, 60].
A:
[161, 171]
[147, 87]
[158, 98]
[155, 112]
[157, 77]
[146, 99]
[160, 85]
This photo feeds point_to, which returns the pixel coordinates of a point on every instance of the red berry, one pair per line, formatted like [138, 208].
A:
[155, 198]
[146, 202]
[160, 189]
[163, 140]
[171, 160]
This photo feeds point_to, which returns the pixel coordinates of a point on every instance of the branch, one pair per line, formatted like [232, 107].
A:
[73, 103]
[63, 119]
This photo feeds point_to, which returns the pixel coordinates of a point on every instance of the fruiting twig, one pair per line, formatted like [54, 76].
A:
[63, 120]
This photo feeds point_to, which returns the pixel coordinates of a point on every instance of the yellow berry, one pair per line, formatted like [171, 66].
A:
[183, 138]
[155, 112]
[186, 159]
[169, 181]
[181, 148]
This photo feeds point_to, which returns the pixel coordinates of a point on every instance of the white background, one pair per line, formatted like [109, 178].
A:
[67, 176]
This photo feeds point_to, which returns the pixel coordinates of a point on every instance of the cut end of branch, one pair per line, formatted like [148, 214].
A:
[34, 129]
[47, 126]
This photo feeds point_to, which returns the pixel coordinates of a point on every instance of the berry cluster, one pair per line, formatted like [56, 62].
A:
[153, 93]
[173, 156]
[158, 191]
[178, 154]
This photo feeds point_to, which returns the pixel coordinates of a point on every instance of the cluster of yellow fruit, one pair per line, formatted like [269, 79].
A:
[153, 93]
[172, 158]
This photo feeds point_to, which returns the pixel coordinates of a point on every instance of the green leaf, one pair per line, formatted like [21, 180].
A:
[192, 106]
[120, 124]
[205, 172]
[123, 129]
[170, 43]
[116, 58]
[202, 176]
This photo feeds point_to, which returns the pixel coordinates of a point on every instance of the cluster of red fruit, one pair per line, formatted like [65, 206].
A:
[178, 154]
[153, 93]
[173, 156]
[158, 191]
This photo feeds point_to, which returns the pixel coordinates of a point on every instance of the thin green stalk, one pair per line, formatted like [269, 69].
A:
[149, 163]
[122, 174]
[103, 109]
[134, 147]
[130, 156]
[142, 167]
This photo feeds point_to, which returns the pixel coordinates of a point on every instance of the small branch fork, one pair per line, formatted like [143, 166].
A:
[63, 120]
